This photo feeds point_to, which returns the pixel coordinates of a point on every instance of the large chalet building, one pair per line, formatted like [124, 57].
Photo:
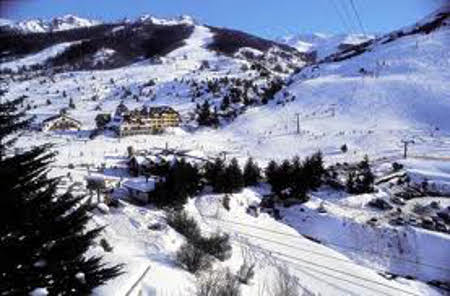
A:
[148, 120]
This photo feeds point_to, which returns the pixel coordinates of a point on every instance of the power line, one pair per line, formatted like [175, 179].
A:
[334, 244]
[301, 269]
[348, 28]
[298, 249]
[357, 16]
[347, 13]
[337, 271]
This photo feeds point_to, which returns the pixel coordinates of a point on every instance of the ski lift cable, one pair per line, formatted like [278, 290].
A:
[344, 22]
[358, 18]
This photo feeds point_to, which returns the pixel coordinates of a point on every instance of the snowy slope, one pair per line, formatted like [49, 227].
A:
[397, 90]
[40, 58]
[320, 270]
[323, 44]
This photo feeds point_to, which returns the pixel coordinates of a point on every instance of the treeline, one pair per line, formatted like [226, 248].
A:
[288, 179]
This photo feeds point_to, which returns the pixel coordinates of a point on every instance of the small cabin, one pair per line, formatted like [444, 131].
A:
[60, 122]
[140, 189]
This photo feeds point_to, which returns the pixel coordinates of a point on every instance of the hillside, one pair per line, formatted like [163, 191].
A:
[272, 102]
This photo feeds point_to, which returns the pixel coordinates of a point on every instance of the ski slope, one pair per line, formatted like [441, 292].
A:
[371, 102]
[39, 58]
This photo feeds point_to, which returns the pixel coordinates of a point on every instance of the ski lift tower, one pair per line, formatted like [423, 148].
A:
[405, 147]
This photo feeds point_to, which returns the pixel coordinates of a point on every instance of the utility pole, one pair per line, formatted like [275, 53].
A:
[224, 153]
[405, 148]
[298, 122]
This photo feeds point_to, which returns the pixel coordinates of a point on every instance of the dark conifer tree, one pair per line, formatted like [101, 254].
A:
[43, 235]
[215, 175]
[271, 173]
[318, 170]
[204, 114]
[284, 175]
[225, 103]
[252, 173]
[234, 179]
[350, 184]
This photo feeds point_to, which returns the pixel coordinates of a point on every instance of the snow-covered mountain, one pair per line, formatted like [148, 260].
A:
[367, 94]
[67, 22]
[323, 44]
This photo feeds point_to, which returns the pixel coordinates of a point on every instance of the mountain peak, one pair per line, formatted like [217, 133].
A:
[66, 22]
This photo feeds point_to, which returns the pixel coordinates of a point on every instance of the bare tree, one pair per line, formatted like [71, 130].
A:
[284, 284]
[218, 283]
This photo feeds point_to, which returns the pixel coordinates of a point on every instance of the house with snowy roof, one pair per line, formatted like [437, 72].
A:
[60, 122]
[140, 189]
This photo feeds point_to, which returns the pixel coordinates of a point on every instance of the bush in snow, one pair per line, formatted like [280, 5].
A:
[217, 245]
[397, 166]
[218, 283]
[192, 258]
[105, 245]
[184, 225]
[344, 148]
[246, 273]
[226, 202]
[284, 284]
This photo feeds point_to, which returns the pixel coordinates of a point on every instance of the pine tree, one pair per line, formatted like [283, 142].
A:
[215, 175]
[234, 180]
[318, 170]
[271, 173]
[252, 173]
[350, 184]
[225, 103]
[204, 114]
[71, 104]
[11, 122]
[43, 238]
[284, 175]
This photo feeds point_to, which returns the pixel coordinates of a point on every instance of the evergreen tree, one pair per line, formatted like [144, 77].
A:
[204, 114]
[43, 238]
[271, 173]
[11, 122]
[252, 173]
[350, 184]
[367, 178]
[317, 170]
[71, 104]
[299, 178]
[215, 175]
[284, 175]
[225, 103]
[234, 180]
[361, 180]
[181, 181]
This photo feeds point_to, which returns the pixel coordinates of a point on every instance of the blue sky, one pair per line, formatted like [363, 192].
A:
[268, 18]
